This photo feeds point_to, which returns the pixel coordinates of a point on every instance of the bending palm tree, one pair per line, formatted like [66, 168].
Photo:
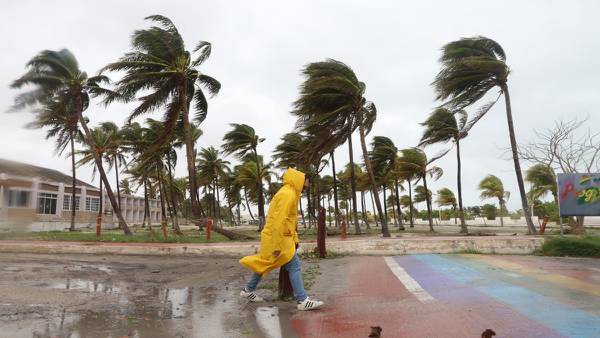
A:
[414, 163]
[60, 86]
[443, 126]
[492, 187]
[446, 198]
[383, 157]
[160, 63]
[470, 68]
[330, 108]
[243, 141]
[543, 181]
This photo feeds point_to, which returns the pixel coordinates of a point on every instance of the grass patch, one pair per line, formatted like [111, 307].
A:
[309, 275]
[314, 256]
[115, 236]
[587, 246]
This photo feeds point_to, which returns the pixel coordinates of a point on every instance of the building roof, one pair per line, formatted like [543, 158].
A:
[23, 169]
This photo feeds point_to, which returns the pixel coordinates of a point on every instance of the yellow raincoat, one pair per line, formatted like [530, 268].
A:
[279, 233]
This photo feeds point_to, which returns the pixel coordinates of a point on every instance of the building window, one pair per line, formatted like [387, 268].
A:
[46, 203]
[18, 198]
[67, 202]
[92, 204]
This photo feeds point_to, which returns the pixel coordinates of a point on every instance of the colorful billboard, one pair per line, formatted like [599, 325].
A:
[579, 194]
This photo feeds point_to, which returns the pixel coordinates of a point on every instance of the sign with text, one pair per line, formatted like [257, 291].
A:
[579, 194]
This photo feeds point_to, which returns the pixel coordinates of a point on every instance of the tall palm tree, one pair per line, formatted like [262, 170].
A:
[63, 127]
[211, 165]
[413, 162]
[159, 63]
[331, 107]
[470, 68]
[383, 156]
[446, 198]
[543, 181]
[243, 141]
[491, 187]
[60, 86]
[114, 155]
[443, 126]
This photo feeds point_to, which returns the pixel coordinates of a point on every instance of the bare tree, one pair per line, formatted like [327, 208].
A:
[569, 147]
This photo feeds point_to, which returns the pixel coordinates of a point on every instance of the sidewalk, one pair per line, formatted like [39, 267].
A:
[364, 246]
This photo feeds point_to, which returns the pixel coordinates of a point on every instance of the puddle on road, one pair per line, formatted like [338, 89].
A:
[146, 311]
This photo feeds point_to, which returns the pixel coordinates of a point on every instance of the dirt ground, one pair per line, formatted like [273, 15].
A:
[134, 296]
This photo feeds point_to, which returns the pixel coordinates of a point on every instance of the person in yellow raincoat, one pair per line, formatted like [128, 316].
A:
[279, 241]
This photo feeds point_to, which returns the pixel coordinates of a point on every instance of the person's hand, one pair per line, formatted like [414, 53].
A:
[276, 253]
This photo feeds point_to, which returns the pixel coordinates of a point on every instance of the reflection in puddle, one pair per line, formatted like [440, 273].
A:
[267, 319]
[85, 285]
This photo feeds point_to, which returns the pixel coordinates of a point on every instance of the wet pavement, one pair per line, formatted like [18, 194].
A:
[407, 296]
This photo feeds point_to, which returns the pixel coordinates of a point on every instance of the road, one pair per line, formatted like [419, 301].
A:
[407, 296]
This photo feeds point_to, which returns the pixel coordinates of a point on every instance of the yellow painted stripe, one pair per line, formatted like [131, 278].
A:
[540, 274]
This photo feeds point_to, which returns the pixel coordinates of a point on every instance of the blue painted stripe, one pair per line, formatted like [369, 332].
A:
[567, 320]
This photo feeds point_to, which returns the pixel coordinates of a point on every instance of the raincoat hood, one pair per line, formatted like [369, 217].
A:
[295, 179]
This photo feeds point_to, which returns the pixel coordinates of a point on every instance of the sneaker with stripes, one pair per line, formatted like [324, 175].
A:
[251, 296]
[309, 304]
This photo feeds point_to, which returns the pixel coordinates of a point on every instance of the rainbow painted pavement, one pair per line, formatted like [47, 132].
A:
[461, 296]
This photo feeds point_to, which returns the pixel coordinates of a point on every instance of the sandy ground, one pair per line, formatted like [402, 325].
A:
[132, 296]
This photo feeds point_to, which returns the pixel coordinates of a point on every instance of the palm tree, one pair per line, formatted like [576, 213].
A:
[114, 154]
[543, 181]
[101, 143]
[443, 126]
[413, 162]
[160, 63]
[243, 141]
[331, 107]
[383, 156]
[61, 87]
[470, 68]
[492, 187]
[212, 166]
[63, 127]
[446, 198]
[126, 187]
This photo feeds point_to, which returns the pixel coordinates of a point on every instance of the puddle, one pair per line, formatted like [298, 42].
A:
[267, 319]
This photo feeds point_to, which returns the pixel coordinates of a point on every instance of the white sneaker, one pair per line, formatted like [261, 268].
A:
[251, 296]
[310, 304]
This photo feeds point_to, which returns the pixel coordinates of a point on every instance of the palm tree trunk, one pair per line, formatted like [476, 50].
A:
[335, 192]
[461, 213]
[261, 199]
[363, 210]
[309, 207]
[103, 177]
[398, 204]
[501, 208]
[353, 186]
[189, 151]
[302, 213]
[146, 204]
[329, 208]
[428, 202]
[74, 183]
[394, 215]
[162, 196]
[375, 216]
[248, 204]
[385, 212]
[218, 214]
[172, 193]
[116, 160]
[100, 207]
[515, 153]
[384, 228]
[410, 205]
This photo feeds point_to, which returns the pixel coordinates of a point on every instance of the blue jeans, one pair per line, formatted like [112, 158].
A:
[293, 268]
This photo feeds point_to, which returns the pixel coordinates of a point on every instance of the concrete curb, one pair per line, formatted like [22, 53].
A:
[371, 246]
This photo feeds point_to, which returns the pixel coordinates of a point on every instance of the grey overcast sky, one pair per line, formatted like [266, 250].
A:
[259, 47]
